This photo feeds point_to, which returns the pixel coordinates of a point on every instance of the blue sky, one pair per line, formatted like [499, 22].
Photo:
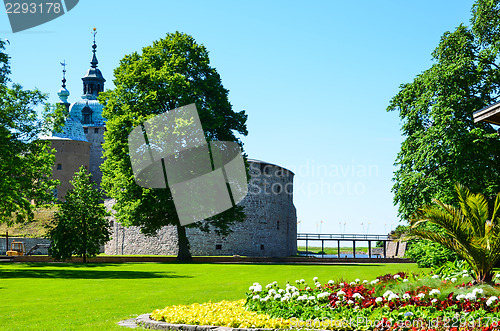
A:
[314, 77]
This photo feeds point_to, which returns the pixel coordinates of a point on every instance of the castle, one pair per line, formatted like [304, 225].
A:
[270, 228]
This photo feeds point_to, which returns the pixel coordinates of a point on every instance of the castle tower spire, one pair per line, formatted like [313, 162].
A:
[93, 81]
[63, 93]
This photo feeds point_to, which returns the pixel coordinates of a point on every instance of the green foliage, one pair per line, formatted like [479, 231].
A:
[443, 145]
[80, 226]
[453, 269]
[171, 73]
[429, 254]
[468, 230]
[25, 162]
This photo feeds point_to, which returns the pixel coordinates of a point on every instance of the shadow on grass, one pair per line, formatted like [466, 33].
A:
[85, 274]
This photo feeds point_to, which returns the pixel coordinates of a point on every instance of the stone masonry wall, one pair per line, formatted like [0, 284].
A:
[28, 244]
[270, 228]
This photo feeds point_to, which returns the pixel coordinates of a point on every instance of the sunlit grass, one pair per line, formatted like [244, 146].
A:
[61, 296]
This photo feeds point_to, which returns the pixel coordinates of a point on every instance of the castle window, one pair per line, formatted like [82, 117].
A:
[85, 130]
[218, 246]
[59, 166]
[278, 225]
[87, 115]
[96, 130]
[54, 192]
[262, 247]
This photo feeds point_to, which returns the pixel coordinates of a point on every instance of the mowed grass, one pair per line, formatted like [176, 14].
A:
[59, 296]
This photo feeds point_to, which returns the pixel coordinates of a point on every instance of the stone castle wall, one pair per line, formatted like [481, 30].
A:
[95, 136]
[270, 228]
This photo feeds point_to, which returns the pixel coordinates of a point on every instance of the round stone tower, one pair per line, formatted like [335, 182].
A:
[270, 228]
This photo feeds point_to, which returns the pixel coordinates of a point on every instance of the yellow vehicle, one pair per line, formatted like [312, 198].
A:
[16, 249]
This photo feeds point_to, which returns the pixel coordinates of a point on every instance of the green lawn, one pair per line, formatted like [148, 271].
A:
[59, 296]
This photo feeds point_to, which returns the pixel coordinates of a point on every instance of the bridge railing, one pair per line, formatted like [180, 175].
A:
[340, 236]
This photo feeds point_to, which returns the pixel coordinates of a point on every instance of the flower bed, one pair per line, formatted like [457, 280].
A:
[390, 302]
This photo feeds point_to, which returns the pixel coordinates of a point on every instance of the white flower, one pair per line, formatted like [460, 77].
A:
[350, 302]
[256, 287]
[405, 280]
[373, 282]
[365, 281]
[357, 296]
[277, 296]
[318, 284]
[268, 286]
[342, 284]
[302, 297]
[256, 297]
[285, 298]
[272, 291]
[387, 293]
[454, 279]
[265, 298]
[338, 303]
[295, 294]
[491, 300]
[477, 290]
[434, 292]
[312, 297]
[460, 297]
[464, 271]
[308, 288]
[406, 296]
[357, 280]
[421, 295]
[352, 283]
[408, 313]
[379, 299]
[435, 277]
[392, 296]
[331, 282]
[446, 278]
[281, 291]
[340, 293]
[470, 296]
[275, 283]
[297, 281]
[434, 300]
[315, 279]
[497, 275]
[465, 275]
[302, 281]
[323, 295]
[397, 276]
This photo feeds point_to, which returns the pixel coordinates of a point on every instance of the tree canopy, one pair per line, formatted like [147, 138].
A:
[174, 71]
[81, 227]
[442, 143]
[25, 161]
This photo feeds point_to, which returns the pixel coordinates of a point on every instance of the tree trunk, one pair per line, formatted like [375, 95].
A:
[183, 254]
[84, 258]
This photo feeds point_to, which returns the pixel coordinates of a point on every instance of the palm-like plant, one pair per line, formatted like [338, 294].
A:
[468, 230]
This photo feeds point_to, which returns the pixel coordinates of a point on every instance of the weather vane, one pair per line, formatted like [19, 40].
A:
[94, 32]
[64, 72]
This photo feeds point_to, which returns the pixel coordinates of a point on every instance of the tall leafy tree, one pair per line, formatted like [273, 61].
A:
[25, 162]
[175, 71]
[80, 225]
[442, 143]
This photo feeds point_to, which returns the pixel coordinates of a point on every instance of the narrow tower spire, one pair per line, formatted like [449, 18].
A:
[63, 93]
[93, 81]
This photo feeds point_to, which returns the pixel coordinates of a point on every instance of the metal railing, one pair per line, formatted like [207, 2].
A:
[341, 236]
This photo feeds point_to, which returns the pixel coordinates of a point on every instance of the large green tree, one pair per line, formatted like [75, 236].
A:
[25, 162]
[175, 71]
[80, 225]
[442, 143]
